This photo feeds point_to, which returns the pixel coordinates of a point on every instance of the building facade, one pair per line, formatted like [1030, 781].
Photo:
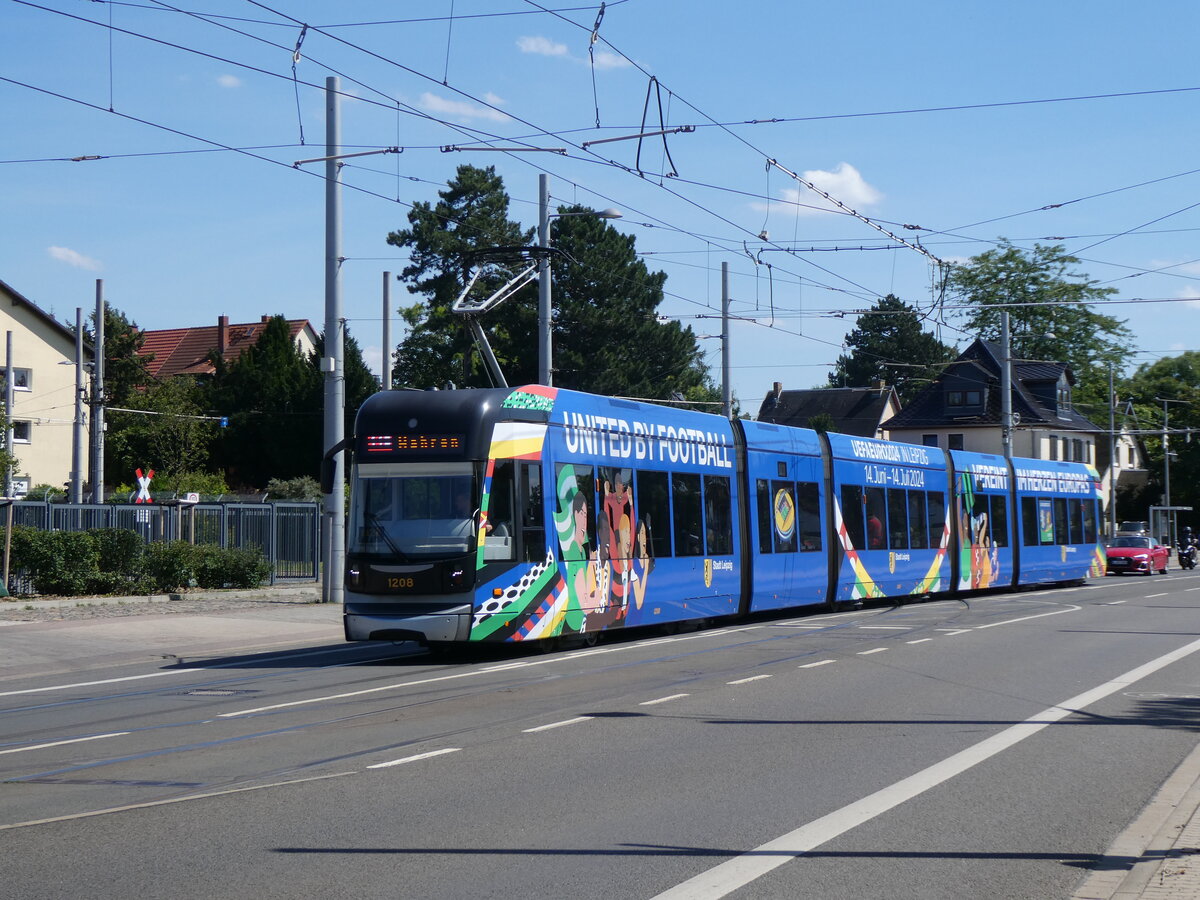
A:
[42, 417]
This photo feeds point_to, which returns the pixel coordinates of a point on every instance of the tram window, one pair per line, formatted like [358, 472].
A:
[1029, 522]
[852, 515]
[876, 518]
[498, 542]
[766, 515]
[654, 511]
[576, 498]
[1062, 530]
[918, 528]
[1075, 511]
[688, 512]
[533, 529]
[784, 516]
[718, 515]
[1090, 535]
[897, 519]
[808, 505]
[998, 519]
[937, 517]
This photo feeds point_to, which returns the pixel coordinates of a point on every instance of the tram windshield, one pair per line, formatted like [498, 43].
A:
[414, 511]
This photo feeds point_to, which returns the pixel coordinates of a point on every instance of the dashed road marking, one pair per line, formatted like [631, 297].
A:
[419, 756]
[748, 680]
[558, 724]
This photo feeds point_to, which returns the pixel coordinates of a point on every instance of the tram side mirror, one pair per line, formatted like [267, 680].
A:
[328, 470]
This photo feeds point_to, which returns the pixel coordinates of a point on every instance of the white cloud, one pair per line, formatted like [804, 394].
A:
[229, 81]
[541, 46]
[458, 109]
[845, 184]
[606, 59]
[72, 258]
[1191, 295]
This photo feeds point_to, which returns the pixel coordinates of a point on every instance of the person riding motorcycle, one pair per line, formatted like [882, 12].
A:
[1187, 548]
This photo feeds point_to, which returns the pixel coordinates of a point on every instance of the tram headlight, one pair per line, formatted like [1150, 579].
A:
[353, 577]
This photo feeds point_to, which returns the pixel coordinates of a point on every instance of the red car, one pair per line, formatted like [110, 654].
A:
[1132, 553]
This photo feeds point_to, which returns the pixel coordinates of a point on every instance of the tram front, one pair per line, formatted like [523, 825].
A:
[415, 494]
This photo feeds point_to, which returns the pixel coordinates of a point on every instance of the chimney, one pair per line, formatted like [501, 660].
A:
[222, 334]
[265, 319]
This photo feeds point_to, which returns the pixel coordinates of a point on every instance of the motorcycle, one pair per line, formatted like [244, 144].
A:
[1187, 556]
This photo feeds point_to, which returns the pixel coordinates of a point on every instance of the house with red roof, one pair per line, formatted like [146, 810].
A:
[186, 351]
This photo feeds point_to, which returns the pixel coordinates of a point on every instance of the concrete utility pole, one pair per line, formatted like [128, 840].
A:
[331, 364]
[726, 388]
[544, 315]
[8, 413]
[1006, 411]
[387, 331]
[77, 425]
[98, 399]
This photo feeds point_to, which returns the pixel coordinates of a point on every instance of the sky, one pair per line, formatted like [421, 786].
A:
[152, 146]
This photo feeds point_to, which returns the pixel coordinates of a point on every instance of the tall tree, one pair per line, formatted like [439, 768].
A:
[1167, 393]
[1048, 308]
[606, 333]
[890, 344]
[271, 395]
[126, 371]
[169, 434]
[471, 215]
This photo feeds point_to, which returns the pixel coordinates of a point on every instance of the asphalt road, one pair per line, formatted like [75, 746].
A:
[944, 749]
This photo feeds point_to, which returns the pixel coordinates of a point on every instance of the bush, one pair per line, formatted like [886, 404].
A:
[57, 562]
[116, 561]
[302, 488]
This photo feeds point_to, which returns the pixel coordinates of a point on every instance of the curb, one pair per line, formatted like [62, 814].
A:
[295, 592]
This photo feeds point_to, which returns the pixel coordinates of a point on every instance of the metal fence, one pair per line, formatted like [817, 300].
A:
[287, 533]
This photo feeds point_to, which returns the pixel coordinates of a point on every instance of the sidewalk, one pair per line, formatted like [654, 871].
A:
[41, 638]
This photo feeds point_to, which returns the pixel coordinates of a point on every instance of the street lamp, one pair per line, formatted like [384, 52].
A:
[544, 306]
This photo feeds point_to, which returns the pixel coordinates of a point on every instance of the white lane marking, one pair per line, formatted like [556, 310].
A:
[83, 684]
[1115, 603]
[663, 699]
[919, 641]
[94, 737]
[558, 724]
[869, 652]
[735, 873]
[1189, 590]
[885, 628]
[813, 665]
[475, 673]
[15, 623]
[748, 680]
[955, 631]
[1057, 612]
[419, 756]
[151, 803]
[1148, 596]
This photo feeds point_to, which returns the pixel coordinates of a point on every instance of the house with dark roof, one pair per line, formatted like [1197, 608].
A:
[858, 411]
[961, 410]
[186, 351]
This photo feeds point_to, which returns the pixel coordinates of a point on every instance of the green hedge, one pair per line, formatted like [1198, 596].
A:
[117, 561]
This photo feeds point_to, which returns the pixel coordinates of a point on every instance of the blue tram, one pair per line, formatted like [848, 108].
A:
[532, 513]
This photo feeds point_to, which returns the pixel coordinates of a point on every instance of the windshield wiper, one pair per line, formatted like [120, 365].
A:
[387, 539]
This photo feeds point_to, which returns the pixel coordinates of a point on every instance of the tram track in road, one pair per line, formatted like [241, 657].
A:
[865, 626]
[440, 676]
